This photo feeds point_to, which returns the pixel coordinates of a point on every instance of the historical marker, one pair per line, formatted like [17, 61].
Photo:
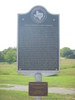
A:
[38, 88]
[38, 42]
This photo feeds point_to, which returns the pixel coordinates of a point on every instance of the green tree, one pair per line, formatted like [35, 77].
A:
[72, 56]
[10, 55]
[66, 52]
[2, 57]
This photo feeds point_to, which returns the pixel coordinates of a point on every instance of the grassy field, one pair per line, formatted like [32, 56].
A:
[20, 95]
[9, 75]
[66, 77]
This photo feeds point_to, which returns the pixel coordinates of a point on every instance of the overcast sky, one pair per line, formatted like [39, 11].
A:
[8, 19]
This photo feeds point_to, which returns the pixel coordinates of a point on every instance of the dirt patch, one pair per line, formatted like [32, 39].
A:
[50, 89]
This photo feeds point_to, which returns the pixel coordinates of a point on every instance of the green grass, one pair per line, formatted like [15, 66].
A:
[20, 95]
[66, 77]
[8, 69]
[67, 63]
[15, 79]
[5, 86]
[9, 75]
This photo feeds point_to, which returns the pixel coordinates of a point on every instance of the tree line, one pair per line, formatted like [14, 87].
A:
[10, 55]
[67, 53]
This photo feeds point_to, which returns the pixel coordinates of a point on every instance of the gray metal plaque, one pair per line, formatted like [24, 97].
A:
[38, 40]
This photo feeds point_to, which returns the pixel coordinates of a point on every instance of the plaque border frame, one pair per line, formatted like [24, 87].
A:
[43, 72]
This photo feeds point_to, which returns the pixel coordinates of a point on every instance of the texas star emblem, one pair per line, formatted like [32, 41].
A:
[38, 14]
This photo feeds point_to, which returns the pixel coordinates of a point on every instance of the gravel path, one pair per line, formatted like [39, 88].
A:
[50, 89]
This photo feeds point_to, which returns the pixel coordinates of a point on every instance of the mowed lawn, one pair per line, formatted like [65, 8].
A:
[20, 95]
[66, 77]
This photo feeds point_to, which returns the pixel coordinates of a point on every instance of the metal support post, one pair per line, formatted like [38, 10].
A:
[38, 78]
